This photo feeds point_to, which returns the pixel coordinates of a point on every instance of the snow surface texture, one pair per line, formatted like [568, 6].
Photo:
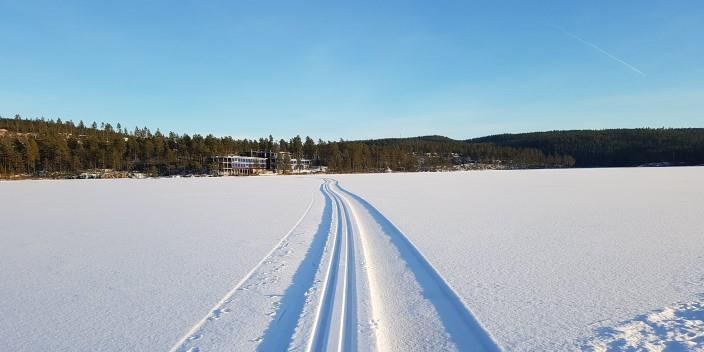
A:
[358, 285]
[548, 259]
[130, 265]
[519, 260]
[676, 328]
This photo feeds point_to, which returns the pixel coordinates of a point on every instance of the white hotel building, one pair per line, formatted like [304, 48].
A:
[238, 165]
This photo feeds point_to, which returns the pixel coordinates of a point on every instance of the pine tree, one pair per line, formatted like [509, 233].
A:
[31, 155]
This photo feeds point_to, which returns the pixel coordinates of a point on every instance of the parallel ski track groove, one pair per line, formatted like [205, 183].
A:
[334, 326]
[323, 337]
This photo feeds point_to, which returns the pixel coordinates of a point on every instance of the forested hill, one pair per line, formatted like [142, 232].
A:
[613, 147]
[55, 148]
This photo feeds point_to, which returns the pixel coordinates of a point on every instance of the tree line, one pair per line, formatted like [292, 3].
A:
[613, 147]
[430, 153]
[41, 147]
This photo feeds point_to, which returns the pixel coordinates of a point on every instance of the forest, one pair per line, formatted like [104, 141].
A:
[613, 147]
[56, 148]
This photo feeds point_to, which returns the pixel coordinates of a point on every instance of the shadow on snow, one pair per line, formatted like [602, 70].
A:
[350, 341]
[463, 328]
[280, 331]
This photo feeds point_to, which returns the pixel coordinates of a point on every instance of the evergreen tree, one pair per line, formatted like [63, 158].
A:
[46, 147]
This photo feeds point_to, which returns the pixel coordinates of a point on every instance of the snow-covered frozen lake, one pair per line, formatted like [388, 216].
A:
[544, 258]
[128, 265]
[515, 260]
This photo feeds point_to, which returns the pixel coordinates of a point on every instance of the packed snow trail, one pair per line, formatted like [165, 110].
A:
[332, 327]
[413, 308]
[346, 280]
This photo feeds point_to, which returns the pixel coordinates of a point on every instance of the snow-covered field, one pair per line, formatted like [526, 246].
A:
[560, 259]
[602, 259]
[128, 265]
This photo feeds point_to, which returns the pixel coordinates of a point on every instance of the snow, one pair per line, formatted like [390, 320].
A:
[359, 285]
[595, 259]
[545, 259]
[131, 265]
[412, 307]
[679, 327]
[241, 320]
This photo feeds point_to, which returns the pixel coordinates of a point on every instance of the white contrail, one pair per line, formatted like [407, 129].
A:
[624, 63]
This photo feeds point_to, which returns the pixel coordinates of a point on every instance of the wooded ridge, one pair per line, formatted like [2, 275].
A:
[55, 148]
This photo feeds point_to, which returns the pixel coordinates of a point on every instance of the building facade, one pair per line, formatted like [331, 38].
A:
[236, 165]
[256, 163]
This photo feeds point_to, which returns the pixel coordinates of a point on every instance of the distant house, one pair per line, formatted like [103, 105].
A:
[302, 166]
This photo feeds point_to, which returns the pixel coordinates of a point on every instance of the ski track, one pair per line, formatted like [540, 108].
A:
[258, 274]
[347, 280]
[332, 329]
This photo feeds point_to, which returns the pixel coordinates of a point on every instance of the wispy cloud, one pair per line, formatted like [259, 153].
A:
[597, 48]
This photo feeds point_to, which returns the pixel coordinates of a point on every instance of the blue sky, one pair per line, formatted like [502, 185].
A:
[355, 69]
